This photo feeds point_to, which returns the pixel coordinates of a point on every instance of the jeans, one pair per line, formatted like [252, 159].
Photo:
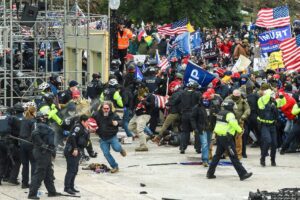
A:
[126, 119]
[287, 129]
[204, 146]
[105, 147]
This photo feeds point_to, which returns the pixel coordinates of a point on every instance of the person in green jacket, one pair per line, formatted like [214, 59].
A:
[225, 129]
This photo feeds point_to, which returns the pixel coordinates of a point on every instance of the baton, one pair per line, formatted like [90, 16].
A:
[22, 140]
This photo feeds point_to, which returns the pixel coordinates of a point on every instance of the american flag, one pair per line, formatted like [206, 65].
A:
[160, 101]
[270, 18]
[291, 53]
[178, 27]
[163, 64]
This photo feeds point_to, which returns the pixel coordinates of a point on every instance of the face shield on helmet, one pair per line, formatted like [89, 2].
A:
[43, 86]
[228, 105]
[113, 82]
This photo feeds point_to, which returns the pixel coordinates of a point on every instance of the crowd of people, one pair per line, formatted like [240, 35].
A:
[236, 109]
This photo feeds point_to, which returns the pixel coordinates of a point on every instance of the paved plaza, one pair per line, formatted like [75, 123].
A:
[170, 181]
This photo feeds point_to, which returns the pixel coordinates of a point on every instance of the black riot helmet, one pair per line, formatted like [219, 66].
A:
[55, 79]
[18, 107]
[228, 104]
[49, 98]
[41, 117]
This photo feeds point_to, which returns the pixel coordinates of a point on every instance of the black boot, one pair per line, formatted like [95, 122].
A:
[273, 163]
[263, 162]
[69, 191]
[74, 190]
[245, 176]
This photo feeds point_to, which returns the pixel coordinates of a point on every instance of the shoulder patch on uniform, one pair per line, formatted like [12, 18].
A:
[77, 129]
[74, 134]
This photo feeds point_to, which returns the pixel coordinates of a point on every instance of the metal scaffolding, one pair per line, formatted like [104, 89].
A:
[19, 77]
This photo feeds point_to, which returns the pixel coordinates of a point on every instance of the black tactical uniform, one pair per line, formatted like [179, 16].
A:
[5, 130]
[13, 145]
[95, 87]
[43, 153]
[77, 140]
[27, 126]
[188, 99]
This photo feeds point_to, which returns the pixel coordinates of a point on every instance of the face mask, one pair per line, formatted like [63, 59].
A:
[205, 102]
[243, 81]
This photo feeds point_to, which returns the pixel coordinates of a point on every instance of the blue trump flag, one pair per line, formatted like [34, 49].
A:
[270, 40]
[196, 40]
[195, 73]
[181, 46]
[138, 74]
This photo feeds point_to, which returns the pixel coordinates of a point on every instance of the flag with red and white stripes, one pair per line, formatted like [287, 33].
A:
[178, 27]
[273, 17]
[163, 64]
[160, 101]
[291, 53]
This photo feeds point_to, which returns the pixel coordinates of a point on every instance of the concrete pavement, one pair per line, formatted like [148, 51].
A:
[172, 181]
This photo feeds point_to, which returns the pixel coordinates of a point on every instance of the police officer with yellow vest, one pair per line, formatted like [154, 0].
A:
[225, 129]
[48, 108]
[267, 115]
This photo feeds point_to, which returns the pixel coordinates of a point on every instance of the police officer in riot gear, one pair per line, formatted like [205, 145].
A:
[48, 107]
[188, 99]
[225, 129]
[5, 130]
[77, 141]
[13, 145]
[151, 80]
[112, 93]
[95, 87]
[43, 153]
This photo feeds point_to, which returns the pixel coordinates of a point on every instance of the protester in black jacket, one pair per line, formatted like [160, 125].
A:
[108, 123]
